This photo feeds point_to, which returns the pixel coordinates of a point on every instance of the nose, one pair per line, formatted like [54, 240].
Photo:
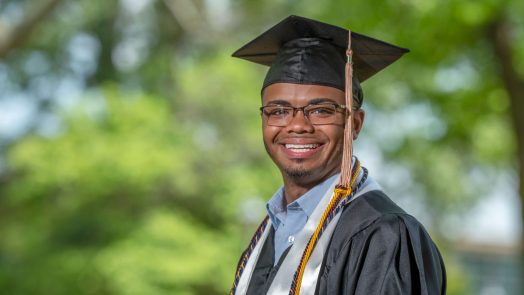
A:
[300, 123]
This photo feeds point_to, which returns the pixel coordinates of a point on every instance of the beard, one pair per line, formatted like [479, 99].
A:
[297, 172]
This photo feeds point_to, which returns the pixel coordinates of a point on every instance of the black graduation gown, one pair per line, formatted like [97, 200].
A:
[376, 248]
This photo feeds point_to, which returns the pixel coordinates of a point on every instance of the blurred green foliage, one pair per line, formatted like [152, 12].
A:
[157, 175]
[123, 202]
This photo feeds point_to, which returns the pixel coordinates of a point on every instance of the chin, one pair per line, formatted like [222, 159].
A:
[307, 174]
[298, 173]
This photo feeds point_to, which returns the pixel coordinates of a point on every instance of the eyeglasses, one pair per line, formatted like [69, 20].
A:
[317, 114]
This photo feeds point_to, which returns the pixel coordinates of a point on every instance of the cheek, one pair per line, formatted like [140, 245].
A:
[335, 134]
[336, 138]
[269, 134]
[339, 146]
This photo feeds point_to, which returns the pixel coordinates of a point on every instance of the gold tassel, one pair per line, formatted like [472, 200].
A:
[345, 170]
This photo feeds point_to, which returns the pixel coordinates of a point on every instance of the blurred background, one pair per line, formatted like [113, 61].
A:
[131, 159]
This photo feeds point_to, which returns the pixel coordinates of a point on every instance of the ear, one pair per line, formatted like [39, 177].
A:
[358, 122]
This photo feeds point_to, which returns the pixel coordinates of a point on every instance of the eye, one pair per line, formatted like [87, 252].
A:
[322, 110]
[278, 111]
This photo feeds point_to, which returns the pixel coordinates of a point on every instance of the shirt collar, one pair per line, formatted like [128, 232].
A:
[275, 207]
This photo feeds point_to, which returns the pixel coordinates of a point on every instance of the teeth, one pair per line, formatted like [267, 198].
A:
[301, 146]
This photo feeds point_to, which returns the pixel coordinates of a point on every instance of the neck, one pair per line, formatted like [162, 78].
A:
[294, 188]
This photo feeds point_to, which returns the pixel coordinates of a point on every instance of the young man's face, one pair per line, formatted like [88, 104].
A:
[304, 152]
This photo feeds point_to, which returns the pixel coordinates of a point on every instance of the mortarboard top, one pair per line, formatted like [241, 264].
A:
[369, 55]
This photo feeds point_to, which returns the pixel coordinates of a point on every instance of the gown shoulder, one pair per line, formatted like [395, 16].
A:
[377, 248]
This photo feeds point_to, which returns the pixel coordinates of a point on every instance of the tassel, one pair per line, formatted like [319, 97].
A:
[345, 170]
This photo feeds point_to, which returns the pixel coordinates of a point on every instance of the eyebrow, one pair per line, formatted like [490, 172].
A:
[322, 100]
[283, 102]
[280, 102]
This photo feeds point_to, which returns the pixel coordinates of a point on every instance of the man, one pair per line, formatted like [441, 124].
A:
[330, 229]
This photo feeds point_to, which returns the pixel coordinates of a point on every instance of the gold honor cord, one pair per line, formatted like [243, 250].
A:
[340, 194]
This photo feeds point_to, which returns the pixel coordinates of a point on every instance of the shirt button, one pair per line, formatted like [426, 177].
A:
[290, 239]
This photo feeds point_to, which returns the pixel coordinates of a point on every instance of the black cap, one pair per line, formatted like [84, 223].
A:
[304, 51]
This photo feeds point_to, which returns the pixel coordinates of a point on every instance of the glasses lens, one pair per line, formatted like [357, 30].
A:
[321, 113]
[278, 115]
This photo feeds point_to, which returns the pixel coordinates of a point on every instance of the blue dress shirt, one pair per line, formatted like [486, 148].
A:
[289, 221]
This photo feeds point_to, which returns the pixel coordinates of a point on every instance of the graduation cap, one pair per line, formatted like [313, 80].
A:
[305, 51]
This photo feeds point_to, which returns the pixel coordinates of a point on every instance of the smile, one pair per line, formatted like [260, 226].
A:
[301, 148]
[301, 151]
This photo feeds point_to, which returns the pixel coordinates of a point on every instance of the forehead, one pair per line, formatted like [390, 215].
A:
[301, 94]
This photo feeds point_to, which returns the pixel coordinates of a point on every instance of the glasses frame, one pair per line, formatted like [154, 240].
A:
[338, 107]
